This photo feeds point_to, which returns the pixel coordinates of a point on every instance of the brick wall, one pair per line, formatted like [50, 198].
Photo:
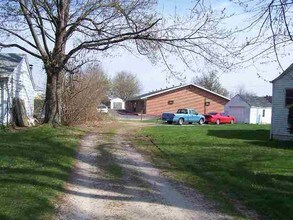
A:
[186, 97]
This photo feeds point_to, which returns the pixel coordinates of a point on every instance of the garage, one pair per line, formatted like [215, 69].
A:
[250, 109]
[117, 103]
[240, 113]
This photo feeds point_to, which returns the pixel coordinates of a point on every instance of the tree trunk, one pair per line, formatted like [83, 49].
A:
[53, 99]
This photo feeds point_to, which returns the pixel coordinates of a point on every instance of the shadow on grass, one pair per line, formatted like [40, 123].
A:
[258, 177]
[34, 165]
[257, 137]
[258, 134]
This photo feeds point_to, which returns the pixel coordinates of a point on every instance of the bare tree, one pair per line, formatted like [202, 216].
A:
[211, 82]
[271, 21]
[241, 90]
[61, 32]
[81, 94]
[125, 85]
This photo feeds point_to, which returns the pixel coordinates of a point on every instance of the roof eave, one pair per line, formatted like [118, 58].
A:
[179, 87]
[282, 74]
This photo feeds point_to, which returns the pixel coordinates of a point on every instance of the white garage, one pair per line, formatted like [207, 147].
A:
[117, 103]
[250, 109]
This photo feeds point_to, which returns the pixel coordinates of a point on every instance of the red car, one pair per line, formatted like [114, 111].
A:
[219, 118]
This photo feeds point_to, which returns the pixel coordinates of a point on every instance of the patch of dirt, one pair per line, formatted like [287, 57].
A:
[140, 192]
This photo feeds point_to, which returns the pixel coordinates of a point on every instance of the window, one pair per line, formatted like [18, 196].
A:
[193, 112]
[170, 102]
[263, 113]
[182, 111]
[289, 97]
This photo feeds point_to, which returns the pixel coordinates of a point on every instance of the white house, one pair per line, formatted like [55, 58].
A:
[250, 109]
[282, 99]
[16, 81]
[117, 103]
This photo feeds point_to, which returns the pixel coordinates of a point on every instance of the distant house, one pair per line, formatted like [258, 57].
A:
[16, 81]
[117, 103]
[250, 109]
[171, 99]
[282, 99]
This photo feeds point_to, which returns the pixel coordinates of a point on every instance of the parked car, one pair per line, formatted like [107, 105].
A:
[102, 108]
[219, 118]
[183, 116]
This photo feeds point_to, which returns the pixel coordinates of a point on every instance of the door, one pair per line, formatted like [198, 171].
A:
[239, 113]
[193, 116]
[117, 105]
[224, 118]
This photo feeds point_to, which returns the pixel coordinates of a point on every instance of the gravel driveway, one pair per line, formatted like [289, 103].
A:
[111, 180]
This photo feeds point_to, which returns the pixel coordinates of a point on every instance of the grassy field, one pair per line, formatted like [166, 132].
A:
[34, 165]
[228, 163]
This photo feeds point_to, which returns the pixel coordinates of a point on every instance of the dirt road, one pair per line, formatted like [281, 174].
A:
[111, 180]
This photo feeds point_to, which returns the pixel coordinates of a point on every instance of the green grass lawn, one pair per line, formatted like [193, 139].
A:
[229, 163]
[34, 165]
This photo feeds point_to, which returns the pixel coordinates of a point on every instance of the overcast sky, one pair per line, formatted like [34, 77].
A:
[152, 76]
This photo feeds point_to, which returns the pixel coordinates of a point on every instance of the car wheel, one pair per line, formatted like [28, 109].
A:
[218, 121]
[180, 121]
[201, 121]
[232, 122]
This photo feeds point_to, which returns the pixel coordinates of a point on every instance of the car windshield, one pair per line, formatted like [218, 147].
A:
[182, 111]
[212, 113]
[102, 106]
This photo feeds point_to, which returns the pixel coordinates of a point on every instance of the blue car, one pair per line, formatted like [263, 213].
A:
[183, 116]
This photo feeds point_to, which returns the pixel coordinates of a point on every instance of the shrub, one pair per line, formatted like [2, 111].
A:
[81, 94]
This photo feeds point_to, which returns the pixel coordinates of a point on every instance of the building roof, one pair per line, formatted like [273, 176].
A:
[255, 101]
[269, 98]
[9, 61]
[161, 91]
[289, 69]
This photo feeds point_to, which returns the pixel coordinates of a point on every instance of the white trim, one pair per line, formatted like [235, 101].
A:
[29, 71]
[179, 87]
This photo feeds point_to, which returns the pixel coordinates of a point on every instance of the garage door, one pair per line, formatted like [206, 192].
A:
[117, 105]
[240, 113]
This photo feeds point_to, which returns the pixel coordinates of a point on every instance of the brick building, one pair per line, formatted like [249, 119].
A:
[183, 96]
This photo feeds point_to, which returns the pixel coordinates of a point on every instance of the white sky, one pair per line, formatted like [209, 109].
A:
[152, 77]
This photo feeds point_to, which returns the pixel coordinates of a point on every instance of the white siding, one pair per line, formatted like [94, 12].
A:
[6, 101]
[20, 85]
[280, 111]
[117, 100]
[238, 108]
[23, 86]
[256, 115]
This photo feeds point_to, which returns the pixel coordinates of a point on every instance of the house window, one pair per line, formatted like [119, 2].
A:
[170, 102]
[289, 97]
[263, 113]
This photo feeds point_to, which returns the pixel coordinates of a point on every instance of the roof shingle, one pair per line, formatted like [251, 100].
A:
[8, 62]
[256, 101]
